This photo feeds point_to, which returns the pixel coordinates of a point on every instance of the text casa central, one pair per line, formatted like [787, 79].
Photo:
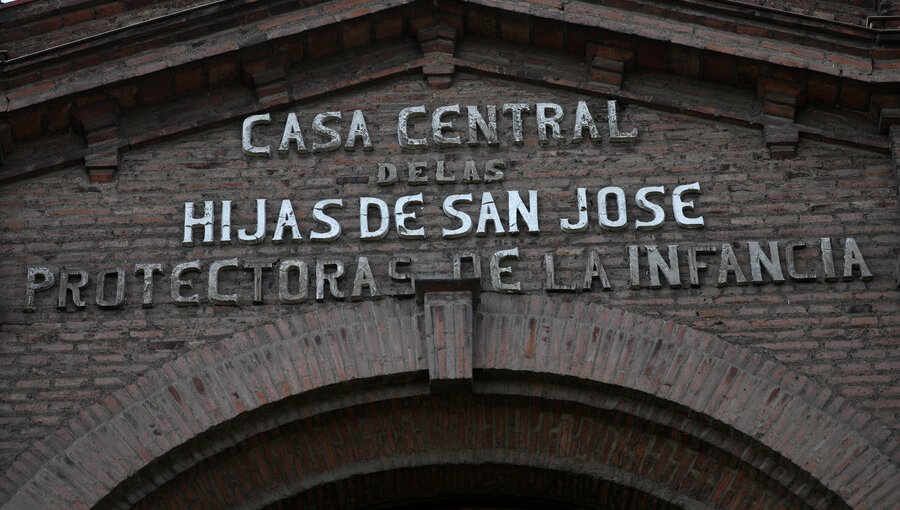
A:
[329, 131]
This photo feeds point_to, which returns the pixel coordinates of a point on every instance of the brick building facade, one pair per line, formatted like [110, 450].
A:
[513, 254]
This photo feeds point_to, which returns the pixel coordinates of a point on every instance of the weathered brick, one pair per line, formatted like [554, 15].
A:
[831, 338]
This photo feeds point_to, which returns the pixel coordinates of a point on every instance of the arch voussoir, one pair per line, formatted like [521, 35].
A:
[773, 411]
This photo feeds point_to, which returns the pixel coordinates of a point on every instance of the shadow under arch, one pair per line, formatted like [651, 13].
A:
[544, 349]
[497, 486]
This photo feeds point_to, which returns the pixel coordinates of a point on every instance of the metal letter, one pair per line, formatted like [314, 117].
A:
[473, 257]
[400, 260]
[334, 138]
[403, 128]
[365, 203]
[497, 271]
[284, 270]
[659, 215]
[178, 284]
[614, 134]
[286, 219]
[489, 128]
[678, 205]
[758, 260]
[728, 263]
[438, 126]
[488, 212]
[358, 129]
[493, 170]
[258, 266]
[517, 208]
[212, 289]
[334, 228]
[119, 300]
[66, 287]
[550, 276]
[466, 221]
[594, 269]
[470, 173]
[827, 259]
[364, 277]
[540, 111]
[694, 265]
[400, 217]
[257, 236]
[387, 174]
[416, 174]
[31, 285]
[669, 269]
[397, 276]
[853, 257]
[583, 119]
[190, 221]
[147, 270]
[516, 109]
[791, 264]
[247, 133]
[291, 133]
[331, 278]
[622, 216]
[225, 228]
[566, 224]
[441, 176]
[634, 266]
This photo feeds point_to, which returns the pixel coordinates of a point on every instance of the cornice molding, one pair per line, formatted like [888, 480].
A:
[696, 25]
[146, 126]
[776, 37]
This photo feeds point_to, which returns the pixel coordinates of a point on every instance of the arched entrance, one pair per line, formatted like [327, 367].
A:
[494, 448]
[553, 402]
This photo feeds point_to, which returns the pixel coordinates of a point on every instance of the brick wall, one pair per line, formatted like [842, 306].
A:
[778, 135]
[842, 333]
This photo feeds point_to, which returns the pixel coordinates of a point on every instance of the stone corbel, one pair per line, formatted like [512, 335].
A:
[607, 66]
[449, 327]
[889, 122]
[99, 124]
[437, 44]
[269, 80]
[780, 102]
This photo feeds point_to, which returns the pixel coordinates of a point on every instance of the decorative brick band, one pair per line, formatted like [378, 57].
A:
[842, 448]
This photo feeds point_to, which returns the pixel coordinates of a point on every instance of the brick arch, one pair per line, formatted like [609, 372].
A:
[438, 442]
[574, 341]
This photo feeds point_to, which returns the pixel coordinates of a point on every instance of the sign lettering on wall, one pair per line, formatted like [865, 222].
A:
[465, 215]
